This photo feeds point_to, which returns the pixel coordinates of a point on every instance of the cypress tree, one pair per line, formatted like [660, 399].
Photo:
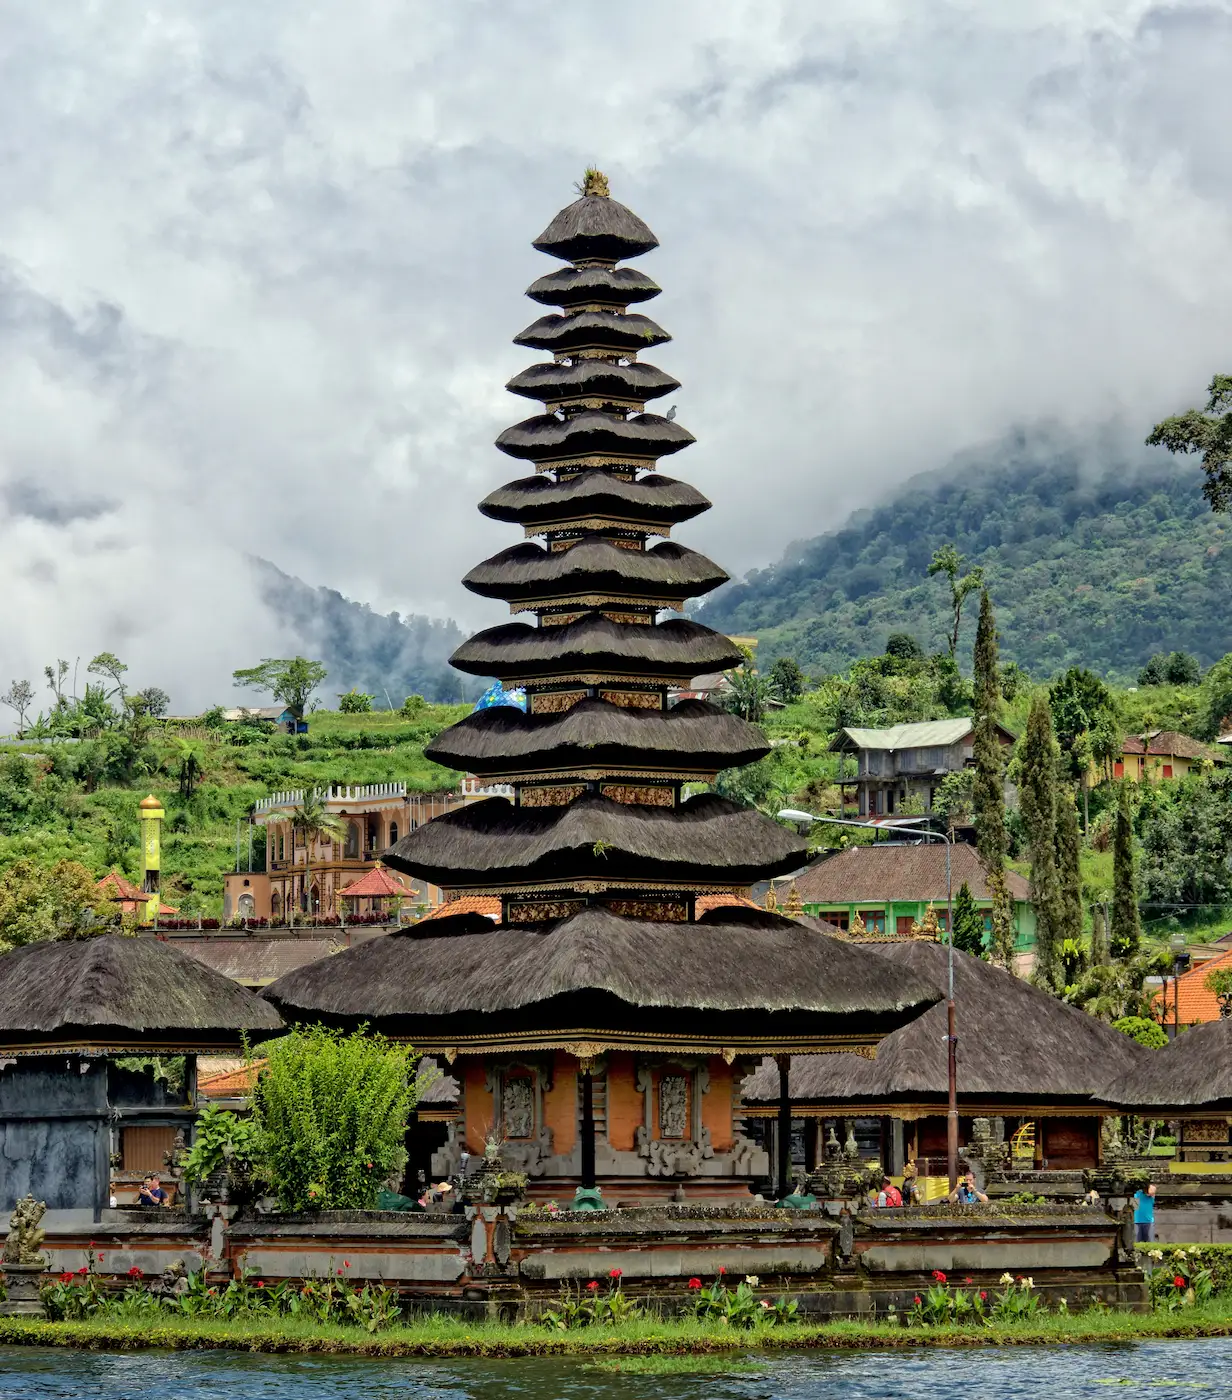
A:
[968, 923]
[1037, 788]
[1069, 876]
[1126, 934]
[1100, 956]
[988, 792]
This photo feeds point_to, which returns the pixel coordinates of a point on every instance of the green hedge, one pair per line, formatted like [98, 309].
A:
[1215, 1257]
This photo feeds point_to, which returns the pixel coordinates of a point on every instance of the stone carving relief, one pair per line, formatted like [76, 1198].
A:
[673, 1106]
[518, 1108]
[673, 1158]
[25, 1237]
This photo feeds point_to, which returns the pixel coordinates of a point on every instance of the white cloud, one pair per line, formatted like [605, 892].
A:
[260, 266]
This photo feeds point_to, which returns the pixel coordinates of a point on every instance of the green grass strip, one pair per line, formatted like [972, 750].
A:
[445, 1336]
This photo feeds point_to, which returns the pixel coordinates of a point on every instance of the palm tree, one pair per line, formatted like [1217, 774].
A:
[312, 821]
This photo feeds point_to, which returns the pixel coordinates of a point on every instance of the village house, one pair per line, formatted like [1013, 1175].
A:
[1161, 755]
[905, 764]
[890, 886]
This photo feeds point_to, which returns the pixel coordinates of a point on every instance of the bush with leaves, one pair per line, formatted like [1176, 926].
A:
[1146, 1032]
[332, 1110]
[222, 1141]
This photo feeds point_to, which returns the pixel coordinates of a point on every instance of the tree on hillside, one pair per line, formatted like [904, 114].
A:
[155, 700]
[108, 664]
[1216, 699]
[19, 696]
[988, 789]
[787, 679]
[1171, 668]
[904, 646]
[1126, 934]
[355, 702]
[55, 682]
[1069, 874]
[1084, 721]
[949, 562]
[1037, 789]
[291, 682]
[968, 923]
[39, 902]
[748, 694]
[1209, 433]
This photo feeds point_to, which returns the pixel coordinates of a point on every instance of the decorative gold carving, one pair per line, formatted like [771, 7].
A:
[771, 901]
[451, 1054]
[594, 523]
[553, 795]
[639, 619]
[660, 911]
[555, 702]
[633, 699]
[857, 927]
[550, 619]
[865, 1052]
[560, 545]
[565, 357]
[729, 1054]
[639, 796]
[541, 911]
[627, 463]
[1197, 1131]
[624, 542]
[585, 1051]
[794, 908]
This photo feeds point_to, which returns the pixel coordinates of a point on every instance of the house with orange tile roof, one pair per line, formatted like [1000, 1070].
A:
[1188, 1001]
[127, 895]
[1162, 755]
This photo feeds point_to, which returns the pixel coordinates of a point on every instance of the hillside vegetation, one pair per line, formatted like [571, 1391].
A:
[1100, 573]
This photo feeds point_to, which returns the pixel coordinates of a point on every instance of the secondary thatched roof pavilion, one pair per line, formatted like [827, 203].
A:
[1191, 1076]
[1022, 1054]
[117, 995]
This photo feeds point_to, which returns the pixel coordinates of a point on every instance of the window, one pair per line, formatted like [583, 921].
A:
[903, 925]
[393, 833]
[838, 918]
[1167, 770]
[351, 851]
[873, 920]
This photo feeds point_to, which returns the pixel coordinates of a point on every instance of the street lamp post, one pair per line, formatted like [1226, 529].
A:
[951, 1122]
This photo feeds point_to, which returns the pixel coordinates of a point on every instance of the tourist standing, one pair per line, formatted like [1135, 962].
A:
[1144, 1214]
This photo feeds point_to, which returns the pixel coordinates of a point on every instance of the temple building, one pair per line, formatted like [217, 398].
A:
[600, 1029]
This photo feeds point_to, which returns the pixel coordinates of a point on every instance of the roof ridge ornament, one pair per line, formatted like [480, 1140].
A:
[594, 182]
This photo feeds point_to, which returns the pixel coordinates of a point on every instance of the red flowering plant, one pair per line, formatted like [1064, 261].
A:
[945, 1305]
[75, 1294]
[586, 1307]
[739, 1306]
[1181, 1280]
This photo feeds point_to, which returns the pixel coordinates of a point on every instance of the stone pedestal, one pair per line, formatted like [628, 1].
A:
[23, 1290]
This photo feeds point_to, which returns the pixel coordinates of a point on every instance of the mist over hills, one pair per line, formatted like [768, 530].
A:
[389, 656]
[1098, 568]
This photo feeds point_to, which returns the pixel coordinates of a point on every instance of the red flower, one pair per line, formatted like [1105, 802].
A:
[613, 1273]
[591, 1286]
[346, 1263]
[983, 1296]
[938, 1276]
[339, 1273]
[968, 1280]
[83, 1270]
[917, 1300]
[1178, 1282]
[135, 1272]
[66, 1278]
[722, 1269]
[260, 1283]
[695, 1283]
[93, 1244]
[100, 1258]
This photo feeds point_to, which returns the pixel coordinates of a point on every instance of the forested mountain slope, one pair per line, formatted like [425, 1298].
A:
[1097, 571]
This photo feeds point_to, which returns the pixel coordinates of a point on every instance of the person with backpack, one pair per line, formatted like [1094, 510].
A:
[889, 1195]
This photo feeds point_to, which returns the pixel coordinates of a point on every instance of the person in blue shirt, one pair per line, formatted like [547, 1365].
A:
[1144, 1214]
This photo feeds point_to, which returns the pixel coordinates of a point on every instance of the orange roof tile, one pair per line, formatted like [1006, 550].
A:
[707, 902]
[487, 904]
[1196, 1001]
[231, 1083]
[115, 885]
[377, 883]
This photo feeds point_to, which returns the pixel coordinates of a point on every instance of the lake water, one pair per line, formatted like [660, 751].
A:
[1008, 1373]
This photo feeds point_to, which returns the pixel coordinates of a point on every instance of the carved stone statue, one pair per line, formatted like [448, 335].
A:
[673, 1106]
[25, 1238]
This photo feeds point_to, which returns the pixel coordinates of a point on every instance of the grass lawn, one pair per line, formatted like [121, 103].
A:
[444, 1336]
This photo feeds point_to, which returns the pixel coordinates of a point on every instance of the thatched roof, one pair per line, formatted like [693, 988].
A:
[592, 379]
[1194, 1072]
[595, 645]
[577, 286]
[546, 436]
[253, 962]
[537, 500]
[493, 844]
[692, 737]
[121, 993]
[739, 975]
[596, 226]
[899, 872]
[593, 330]
[1015, 1043]
[595, 566]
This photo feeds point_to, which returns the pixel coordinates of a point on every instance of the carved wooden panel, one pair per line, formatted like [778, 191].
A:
[551, 619]
[518, 1107]
[641, 619]
[560, 545]
[1198, 1131]
[626, 542]
[633, 699]
[541, 910]
[555, 702]
[651, 795]
[666, 911]
[554, 795]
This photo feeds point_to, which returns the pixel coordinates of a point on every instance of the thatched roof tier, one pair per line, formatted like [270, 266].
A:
[596, 227]
[612, 331]
[539, 501]
[582, 286]
[672, 651]
[1191, 1075]
[493, 845]
[668, 573]
[126, 995]
[739, 980]
[592, 379]
[546, 437]
[594, 735]
[1018, 1049]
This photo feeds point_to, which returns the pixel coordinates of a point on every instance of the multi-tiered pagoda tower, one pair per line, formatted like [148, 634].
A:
[600, 1031]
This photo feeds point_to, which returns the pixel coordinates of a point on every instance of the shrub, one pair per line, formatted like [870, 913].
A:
[1144, 1031]
[332, 1110]
[222, 1141]
[1166, 1262]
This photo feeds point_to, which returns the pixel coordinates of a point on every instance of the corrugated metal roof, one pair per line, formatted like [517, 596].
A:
[932, 733]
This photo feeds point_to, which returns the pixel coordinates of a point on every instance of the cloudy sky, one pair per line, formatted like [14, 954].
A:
[260, 264]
